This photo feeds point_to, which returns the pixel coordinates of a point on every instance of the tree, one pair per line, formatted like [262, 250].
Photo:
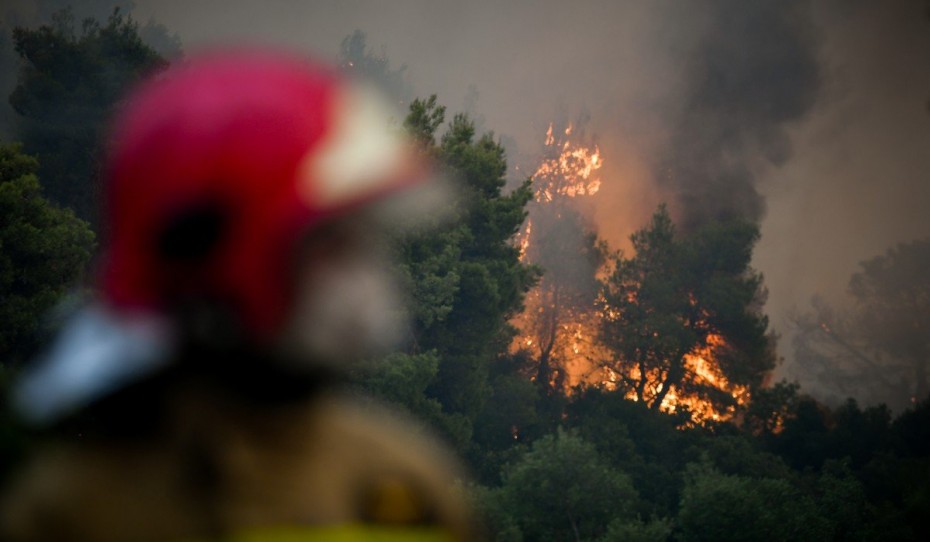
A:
[770, 409]
[723, 507]
[642, 442]
[510, 415]
[843, 502]
[514, 416]
[424, 119]
[561, 307]
[558, 326]
[355, 58]
[658, 530]
[43, 251]
[68, 84]
[878, 349]
[491, 279]
[464, 276]
[562, 489]
[402, 379]
[679, 299]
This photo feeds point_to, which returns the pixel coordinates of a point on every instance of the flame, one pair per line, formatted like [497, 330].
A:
[549, 327]
[525, 238]
[701, 371]
[570, 169]
[552, 330]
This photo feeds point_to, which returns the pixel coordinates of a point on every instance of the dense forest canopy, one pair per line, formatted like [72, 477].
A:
[72, 74]
[604, 460]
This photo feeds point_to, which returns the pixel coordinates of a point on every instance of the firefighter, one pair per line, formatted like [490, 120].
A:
[199, 392]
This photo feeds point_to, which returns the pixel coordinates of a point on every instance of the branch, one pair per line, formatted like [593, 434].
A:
[856, 353]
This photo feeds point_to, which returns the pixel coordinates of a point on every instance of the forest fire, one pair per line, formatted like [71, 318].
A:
[569, 171]
[559, 323]
[703, 371]
[563, 313]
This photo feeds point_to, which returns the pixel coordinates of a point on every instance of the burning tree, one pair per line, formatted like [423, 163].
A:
[557, 325]
[682, 319]
[678, 326]
[561, 308]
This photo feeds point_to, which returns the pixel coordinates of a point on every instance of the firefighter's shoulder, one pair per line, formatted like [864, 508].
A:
[337, 468]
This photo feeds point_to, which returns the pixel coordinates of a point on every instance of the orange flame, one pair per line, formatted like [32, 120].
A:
[570, 170]
[551, 330]
[525, 241]
[703, 369]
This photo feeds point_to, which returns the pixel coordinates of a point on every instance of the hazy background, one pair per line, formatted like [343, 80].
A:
[810, 118]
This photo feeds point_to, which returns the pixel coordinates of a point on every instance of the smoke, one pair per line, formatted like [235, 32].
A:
[752, 72]
[810, 117]
[857, 184]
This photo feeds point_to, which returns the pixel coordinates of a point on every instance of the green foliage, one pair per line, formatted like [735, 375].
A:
[738, 455]
[770, 408]
[562, 489]
[424, 119]
[622, 471]
[428, 260]
[642, 442]
[43, 251]
[843, 502]
[675, 293]
[813, 434]
[802, 442]
[912, 431]
[465, 282]
[402, 379]
[858, 434]
[69, 81]
[723, 507]
[513, 417]
[488, 505]
[467, 276]
[638, 530]
[510, 414]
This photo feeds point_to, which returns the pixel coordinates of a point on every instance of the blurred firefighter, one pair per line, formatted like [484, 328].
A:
[240, 276]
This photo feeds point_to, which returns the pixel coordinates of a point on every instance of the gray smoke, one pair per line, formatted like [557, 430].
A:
[811, 117]
[752, 73]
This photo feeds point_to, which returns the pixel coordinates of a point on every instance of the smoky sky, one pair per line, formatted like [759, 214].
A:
[808, 117]
[753, 71]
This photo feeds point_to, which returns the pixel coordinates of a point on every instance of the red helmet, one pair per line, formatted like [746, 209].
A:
[218, 167]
